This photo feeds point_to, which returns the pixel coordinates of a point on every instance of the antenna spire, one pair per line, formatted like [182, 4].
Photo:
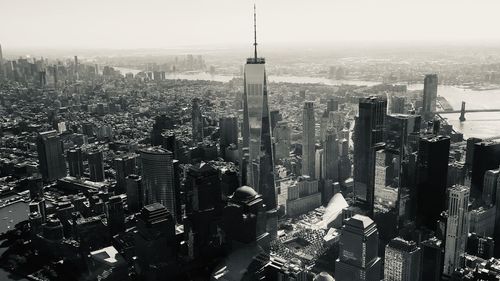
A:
[255, 31]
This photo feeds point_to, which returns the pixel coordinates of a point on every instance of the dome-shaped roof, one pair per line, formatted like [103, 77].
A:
[323, 276]
[244, 193]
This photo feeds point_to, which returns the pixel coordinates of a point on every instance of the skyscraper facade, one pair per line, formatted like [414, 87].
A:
[124, 167]
[457, 228]
[368, 132]
[155, 242]
[96, 165]
[196, 120]
[50, 156]
[308, 140]
[158, 177]
[430, 95]
[486, 156]
[402, 261]
[358, 250]
[282, 140]
[331, 155]
[432, 175]
[257, 130]
[75, 162]
[203, 188]
[228, 129]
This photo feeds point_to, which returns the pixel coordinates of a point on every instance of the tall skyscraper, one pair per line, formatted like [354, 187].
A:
[162, 122]
[196, 120]
[402, 261]
[135, 193]
[329, 120]
[430, 95]
[96, 165]
[50, 156]
[308, 140]
[158, 177]
[203, 188]
[124, 167]
[1, 54]
[155, 242]
[244, 216]
[432, 259]
[457, 228]
[331, 155]
[228, 129]
[486, 156]
[76, 67]
[75, 162]
[257, 129]
[358, 250]
[490, 185]
[398, 104]
[391, 186]
[275, 118]
[432, 175]
[282, 139]
[116, 215]
[368, 132]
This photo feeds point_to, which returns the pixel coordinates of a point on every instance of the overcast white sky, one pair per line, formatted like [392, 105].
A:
[172, 23]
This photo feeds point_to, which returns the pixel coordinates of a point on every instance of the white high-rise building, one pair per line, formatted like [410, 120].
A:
[457, 228]
[308, 140]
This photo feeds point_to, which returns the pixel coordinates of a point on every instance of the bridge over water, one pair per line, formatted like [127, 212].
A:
[462, 111]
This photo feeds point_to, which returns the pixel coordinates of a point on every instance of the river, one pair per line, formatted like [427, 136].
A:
[479, 124]
[9, 217]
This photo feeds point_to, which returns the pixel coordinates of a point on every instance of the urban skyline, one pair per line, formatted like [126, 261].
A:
[369, 166]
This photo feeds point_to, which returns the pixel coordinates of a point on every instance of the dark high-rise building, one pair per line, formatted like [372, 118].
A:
[244, 216]
[432, 176]
[162, 122]
[332, 105]
[282, 140]
[358, 248]
[402, 261]
[124, 167]
[486, 156]
[331, 156]
[76, 67]
[134, 191]
[308, 140]
[469, 152]
[116, 215]
[96, 165]
[275, 118]
[432, 259]
[155, 243]
[392, 181]
[228, 129]
[158, 177]
[430, 95]
[398, 104]
[203, 188]
[75, 162]
[50, 156]
[399, 128]
[257, 130]
[196, 120]
[368, 132]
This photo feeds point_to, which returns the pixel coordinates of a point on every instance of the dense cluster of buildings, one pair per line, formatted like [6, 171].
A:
[138, 178]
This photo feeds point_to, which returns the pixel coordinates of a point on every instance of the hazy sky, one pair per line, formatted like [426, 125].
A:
[172, 23]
